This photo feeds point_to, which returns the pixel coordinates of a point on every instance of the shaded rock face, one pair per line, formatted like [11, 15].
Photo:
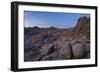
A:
[41, 44]
[66, 51]
[32, 54]
[78, 51]
[46, 49]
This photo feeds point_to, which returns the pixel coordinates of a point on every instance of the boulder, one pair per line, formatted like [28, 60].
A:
[59, 44]
[66, 51]
[46, 49]
[78, 51]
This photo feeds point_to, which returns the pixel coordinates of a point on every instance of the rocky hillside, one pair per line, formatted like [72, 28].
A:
[80, 31]
[57, 44]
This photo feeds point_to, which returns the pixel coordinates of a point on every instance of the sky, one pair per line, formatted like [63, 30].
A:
[51, 19]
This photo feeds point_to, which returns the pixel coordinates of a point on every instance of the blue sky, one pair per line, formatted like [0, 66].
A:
[51, 19]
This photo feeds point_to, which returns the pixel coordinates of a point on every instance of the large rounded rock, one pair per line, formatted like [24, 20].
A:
[46, 49]
[78, 51]
[66, 51]
[59, 44]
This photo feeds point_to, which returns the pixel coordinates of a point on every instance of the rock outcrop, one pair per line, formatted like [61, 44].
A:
[78, 51]
[46, 49]
[80, 32]
[66, 51]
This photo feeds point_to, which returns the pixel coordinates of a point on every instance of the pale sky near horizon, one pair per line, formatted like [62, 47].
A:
[51, 19]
